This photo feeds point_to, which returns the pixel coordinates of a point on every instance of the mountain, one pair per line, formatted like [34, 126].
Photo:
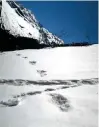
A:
[18, 24]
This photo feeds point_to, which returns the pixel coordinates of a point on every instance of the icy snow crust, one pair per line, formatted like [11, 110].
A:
[49, 87]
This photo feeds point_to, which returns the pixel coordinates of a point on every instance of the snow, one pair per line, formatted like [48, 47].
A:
[52, 38]
[52, 87]
[57, 64]
[12, 22]
[38, 110]
[37, 87]
[24, 25]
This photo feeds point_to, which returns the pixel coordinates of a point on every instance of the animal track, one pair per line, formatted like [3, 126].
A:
[67, 83]
[25, 57]
[42, 73]
[18, 54]
[32, 62]
[34, 93]
[10, 102]
[27, 94]
[89, 81]
[61, 102]
[65, 87]
[49, 89]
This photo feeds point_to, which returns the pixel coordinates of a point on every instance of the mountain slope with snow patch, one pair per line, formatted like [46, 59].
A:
[20, 22]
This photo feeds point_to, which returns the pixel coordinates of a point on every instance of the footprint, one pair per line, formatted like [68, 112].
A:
[27, 94]
[89, 81]
[42, 73]
[49, 89]
[64, 87]
[32, 62]
[61, 102]
[25, 57]
[34, 93]
[10, 102]
[18, 54]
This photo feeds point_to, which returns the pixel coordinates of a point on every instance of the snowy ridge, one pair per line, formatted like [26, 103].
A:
[20, 22]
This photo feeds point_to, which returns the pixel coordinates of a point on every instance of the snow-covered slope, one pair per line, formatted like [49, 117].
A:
[18, 21]
[49, 87]
[50, 64]
[43, 110]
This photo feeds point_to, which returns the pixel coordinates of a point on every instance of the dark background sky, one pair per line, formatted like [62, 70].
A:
[76, 21]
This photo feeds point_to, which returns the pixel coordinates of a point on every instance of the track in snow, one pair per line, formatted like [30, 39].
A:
[45, 87]
[19, 82]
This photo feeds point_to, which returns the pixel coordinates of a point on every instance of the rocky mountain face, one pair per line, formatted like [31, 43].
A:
[19, 28]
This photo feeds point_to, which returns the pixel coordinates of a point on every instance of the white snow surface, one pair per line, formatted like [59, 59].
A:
[11, 21]
[58, 63]
[75, 106]
[39, 111]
